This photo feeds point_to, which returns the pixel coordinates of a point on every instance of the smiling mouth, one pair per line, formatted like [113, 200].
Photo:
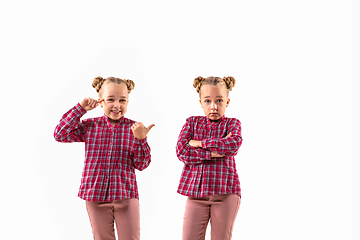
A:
[116, 112]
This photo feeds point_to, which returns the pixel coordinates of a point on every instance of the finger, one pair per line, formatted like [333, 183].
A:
[150, 127]
[228, 135]
[90, 101]
[100, 100]
[94, 104]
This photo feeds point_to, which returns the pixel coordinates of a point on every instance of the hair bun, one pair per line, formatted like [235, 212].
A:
[230, 82]
[97, 83]
[129, 84]
[198, 82]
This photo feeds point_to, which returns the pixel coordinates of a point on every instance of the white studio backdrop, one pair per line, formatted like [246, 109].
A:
[293, 64]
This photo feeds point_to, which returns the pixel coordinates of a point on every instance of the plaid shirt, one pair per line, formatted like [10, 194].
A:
[111, 155]
[203, 175]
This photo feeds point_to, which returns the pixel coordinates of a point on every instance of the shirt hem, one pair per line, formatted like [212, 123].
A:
[205, 194]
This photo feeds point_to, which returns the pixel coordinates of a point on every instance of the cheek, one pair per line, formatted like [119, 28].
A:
[108, 105]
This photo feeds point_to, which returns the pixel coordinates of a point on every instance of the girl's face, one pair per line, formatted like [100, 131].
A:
[214, 100]
[114, 101]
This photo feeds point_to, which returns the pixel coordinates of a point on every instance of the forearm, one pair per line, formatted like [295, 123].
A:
[197, 144]
[223, 146]
[141, 154]
[190, 155]
[69, 128]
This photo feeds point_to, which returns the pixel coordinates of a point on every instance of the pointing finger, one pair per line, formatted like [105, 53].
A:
[150, 127]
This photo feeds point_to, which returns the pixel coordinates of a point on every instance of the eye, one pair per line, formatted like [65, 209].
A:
[109, 100]
[207, 101]
[122, 100]
[220, 101]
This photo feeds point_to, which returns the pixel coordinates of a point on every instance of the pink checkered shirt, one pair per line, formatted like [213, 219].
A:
[111, 155]
[203, 175]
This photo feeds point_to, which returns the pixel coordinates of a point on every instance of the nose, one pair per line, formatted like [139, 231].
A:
[116, 104]
[213, 106]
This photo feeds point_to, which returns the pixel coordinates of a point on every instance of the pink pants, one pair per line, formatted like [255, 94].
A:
[125, 213]
[221, 210]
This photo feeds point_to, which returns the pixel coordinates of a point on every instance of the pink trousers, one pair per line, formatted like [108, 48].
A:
[221, 210]
[125, 213]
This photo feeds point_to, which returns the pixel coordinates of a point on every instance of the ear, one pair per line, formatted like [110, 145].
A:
[228, 102]
[200, 102]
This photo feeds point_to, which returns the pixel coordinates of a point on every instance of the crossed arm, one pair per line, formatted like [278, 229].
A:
[197, 144]
[191, 151]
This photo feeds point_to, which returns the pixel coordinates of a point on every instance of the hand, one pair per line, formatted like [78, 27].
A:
[229, 135]
[140, 131]
[215, 155]
[89, 103]
[195, 143]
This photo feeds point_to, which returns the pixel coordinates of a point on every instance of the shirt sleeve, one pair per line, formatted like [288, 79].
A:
[226, 146]
[186, 153]
[70, 128]
[141, 154]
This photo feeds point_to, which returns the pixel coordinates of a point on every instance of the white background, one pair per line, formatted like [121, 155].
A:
[296, 66]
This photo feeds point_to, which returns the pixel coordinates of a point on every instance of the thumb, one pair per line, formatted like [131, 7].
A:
[150, 127]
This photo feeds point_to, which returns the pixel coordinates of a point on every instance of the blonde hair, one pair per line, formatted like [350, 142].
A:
[98, 82]
[229, 82]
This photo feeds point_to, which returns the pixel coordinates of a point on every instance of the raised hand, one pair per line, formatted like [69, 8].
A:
[140, 131]
[89, 103]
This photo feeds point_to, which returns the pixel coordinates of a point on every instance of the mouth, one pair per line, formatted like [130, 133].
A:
[214, 116]
[116, 112]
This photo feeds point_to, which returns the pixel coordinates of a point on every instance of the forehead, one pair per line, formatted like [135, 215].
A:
[219, 90]
[112, 89]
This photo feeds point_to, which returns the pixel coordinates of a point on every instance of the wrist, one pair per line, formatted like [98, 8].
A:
[140, 139]
[80, 108]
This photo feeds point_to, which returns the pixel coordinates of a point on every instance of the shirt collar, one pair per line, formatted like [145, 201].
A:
[118, 122]
[218, 121]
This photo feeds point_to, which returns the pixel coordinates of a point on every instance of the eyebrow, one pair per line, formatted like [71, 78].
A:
[215, 96]
[112, 96]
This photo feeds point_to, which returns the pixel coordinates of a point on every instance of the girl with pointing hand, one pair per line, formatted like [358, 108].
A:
[114, 147]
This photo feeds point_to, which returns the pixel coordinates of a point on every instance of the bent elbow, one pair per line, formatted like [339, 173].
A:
[142, 166]
[57, 137]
